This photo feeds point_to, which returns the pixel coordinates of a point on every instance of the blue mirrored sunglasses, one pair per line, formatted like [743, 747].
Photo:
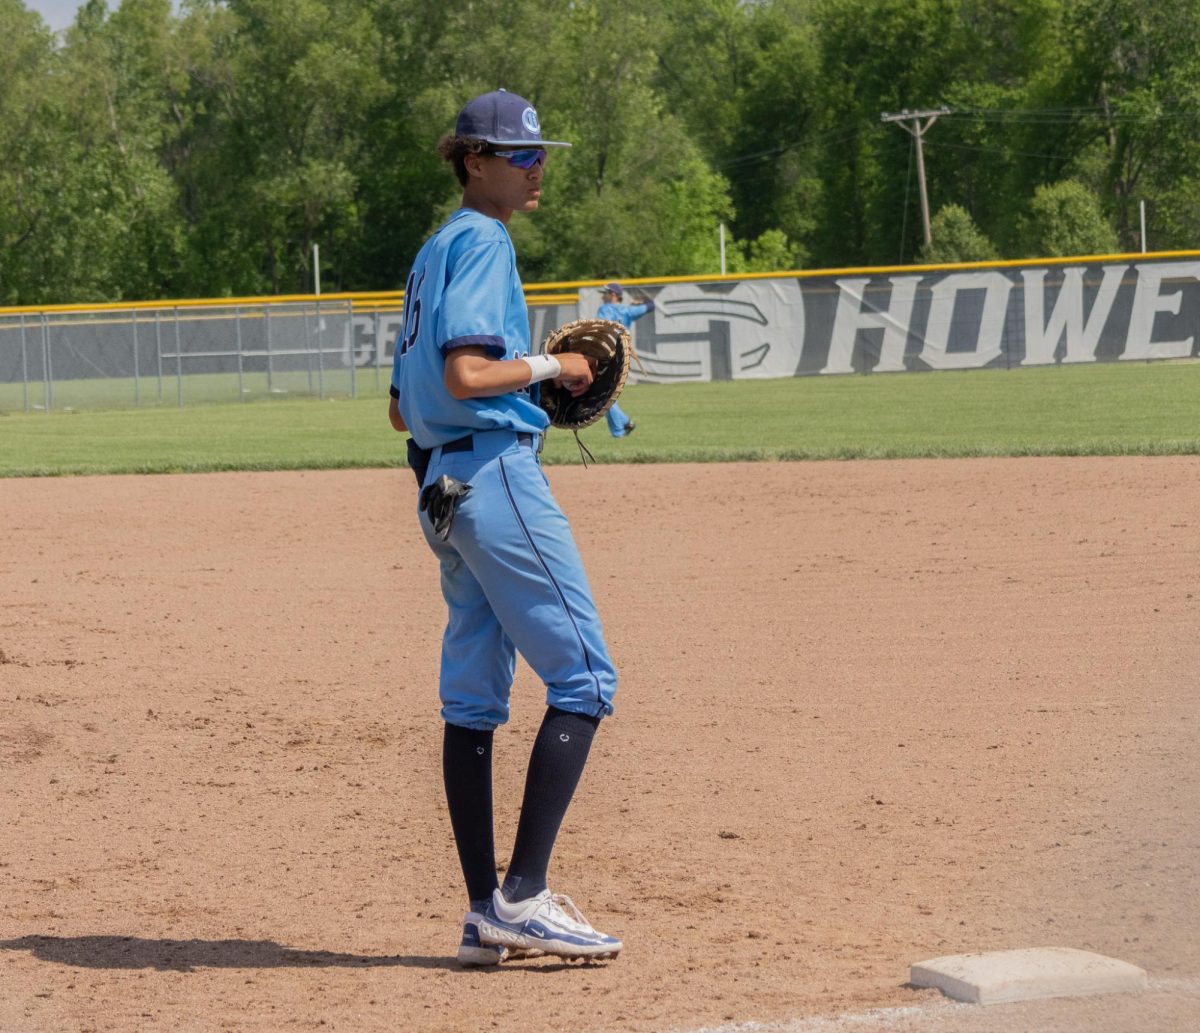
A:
[523, 159]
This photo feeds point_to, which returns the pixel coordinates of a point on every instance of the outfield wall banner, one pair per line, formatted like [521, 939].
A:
[1007, 316]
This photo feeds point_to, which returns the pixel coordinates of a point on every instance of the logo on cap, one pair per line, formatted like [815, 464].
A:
[529, 120]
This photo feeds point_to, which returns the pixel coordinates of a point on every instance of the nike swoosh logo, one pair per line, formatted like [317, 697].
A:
[538, 932]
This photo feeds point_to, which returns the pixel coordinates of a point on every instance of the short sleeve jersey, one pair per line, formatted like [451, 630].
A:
[623, 314]
[463, 290]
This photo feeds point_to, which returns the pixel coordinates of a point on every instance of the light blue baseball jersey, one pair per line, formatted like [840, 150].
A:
[511, 574]
[463, 290]
[623, 314]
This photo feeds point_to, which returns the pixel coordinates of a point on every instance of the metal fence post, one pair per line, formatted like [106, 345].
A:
[47, 391]
[178, 358]
[378, 349]
[307, 349]
[270, 384]
[350, 350]
[137, 386]
[320, 354]
[237, 322]
[24, 366]
[158, 349]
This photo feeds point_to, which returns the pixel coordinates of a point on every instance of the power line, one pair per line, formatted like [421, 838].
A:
[1066, 116]
[997, 116]
[1006, 151]
[810, 139]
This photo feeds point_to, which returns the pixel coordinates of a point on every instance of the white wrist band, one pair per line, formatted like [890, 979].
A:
[542, 367]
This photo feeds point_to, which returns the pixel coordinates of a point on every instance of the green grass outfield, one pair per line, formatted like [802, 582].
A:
[1102, 409]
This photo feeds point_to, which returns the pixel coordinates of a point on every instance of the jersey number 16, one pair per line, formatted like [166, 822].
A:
[412, 313]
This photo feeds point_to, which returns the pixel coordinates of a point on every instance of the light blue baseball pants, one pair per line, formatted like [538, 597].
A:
[616, 421]
[513, 581]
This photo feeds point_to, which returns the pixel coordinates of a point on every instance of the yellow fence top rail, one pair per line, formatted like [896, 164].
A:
[566, 292]
[866, 270]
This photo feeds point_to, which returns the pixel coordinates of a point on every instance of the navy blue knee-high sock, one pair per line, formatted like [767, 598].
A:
[557, 761]
[467, 773]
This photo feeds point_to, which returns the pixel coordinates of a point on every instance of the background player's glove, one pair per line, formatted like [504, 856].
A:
[608, 343]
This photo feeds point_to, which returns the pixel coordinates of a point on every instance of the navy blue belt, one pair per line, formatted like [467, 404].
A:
[467, 442]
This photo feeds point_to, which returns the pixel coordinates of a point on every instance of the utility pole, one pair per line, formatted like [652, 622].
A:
[918, 130]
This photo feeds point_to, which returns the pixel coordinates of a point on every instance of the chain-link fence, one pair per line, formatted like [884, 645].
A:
[111, 357]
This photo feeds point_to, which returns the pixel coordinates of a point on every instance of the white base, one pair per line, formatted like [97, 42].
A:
[997, 977]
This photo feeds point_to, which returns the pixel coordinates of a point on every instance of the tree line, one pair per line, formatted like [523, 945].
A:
[153, 151]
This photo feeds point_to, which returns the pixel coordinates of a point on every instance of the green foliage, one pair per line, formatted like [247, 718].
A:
[956, 238]
[1138, 63]
[160, 149]
[647, 209]
[28, 120]
[1065, 219]
[770, 252]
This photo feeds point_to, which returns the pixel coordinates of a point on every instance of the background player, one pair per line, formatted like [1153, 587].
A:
[611, 307]
[464, 384]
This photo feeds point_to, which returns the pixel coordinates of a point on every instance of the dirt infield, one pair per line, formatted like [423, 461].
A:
[870, 713]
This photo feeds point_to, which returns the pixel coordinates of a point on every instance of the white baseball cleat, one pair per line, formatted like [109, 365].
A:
[471, 951]
[543, 923]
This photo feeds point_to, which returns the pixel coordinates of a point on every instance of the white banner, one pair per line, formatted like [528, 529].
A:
[1006, 316]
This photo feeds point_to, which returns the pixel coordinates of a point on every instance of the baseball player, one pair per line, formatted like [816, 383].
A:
[611, 307]
[465, 386]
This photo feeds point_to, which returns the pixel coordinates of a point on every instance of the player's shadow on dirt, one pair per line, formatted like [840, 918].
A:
[189, 955]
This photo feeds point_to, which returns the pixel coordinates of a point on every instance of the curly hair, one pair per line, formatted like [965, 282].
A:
[455, 150]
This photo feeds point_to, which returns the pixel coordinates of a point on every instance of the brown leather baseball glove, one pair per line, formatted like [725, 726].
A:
[609, 344]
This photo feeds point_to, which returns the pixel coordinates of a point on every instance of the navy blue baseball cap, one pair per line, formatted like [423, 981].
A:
[503, 119]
